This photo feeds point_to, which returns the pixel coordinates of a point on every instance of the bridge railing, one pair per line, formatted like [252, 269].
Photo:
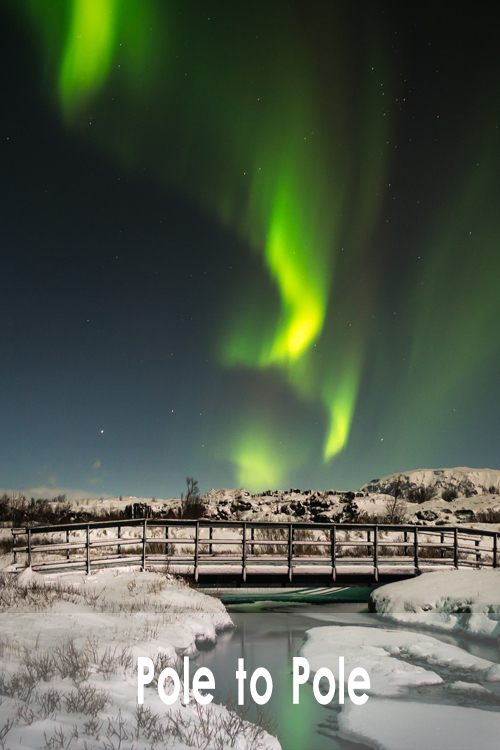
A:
[194, 546]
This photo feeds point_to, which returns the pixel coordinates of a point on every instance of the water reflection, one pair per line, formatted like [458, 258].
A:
[269, 635]
[270, 638]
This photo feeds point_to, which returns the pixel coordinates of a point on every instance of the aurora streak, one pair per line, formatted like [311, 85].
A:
[293, 161]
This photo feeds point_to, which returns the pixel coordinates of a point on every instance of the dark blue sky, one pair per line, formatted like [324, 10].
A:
[118, 281]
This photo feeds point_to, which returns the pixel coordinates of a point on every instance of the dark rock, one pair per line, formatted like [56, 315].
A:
[426, 515]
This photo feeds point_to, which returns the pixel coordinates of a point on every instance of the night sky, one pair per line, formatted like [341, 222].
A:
[257, 243]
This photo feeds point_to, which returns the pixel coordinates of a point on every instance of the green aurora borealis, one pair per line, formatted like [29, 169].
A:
[238, 112]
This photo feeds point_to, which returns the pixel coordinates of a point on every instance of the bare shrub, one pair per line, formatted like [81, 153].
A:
[449, 494]
[49, 701]
[4, 731]
[59, 740]
[116, 732]
[192, 509]
[149, 725]
[192, 506]
[92, 727]
[86, 700]
[275, 535]
[421, 494]
[306, 535]
[6, 545]
[20, 686]
[39, 595]
[395, 512]
[220, 731]
[432, 553]
[488, 516]
[111, 660]
[72, 662]
[26, 714]
[42, 663]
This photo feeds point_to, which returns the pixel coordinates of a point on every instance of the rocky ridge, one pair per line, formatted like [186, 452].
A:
[428, 496]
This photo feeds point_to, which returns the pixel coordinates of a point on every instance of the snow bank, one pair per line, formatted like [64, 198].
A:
[394, 725]
[387, 656]
[69, 645]
[454, 600]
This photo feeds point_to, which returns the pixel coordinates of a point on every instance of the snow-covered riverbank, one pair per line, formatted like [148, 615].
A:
[466, 601]
[68, 662]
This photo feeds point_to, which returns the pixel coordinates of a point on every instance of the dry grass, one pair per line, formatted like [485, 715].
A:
[35, 700]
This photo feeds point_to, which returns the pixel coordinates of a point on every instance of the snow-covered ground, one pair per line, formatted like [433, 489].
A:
[68, 663]
[412, 725]
[389, 655]
[466, 601]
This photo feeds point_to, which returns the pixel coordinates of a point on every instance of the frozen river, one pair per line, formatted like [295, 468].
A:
[271, 635]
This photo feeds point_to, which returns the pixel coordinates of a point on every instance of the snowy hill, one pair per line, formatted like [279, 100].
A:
[467, 482]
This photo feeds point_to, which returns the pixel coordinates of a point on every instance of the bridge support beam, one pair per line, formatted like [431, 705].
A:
[244, 554]
[333, 542]
[88, 550]
[415, 551]
[196, 551]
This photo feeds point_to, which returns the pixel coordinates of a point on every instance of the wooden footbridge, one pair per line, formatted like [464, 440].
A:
[244, 553]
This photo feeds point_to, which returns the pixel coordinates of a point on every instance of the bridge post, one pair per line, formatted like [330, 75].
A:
[290, 552]
[333, 540]
[442, 542]
[375, 552]
[67, 542]
[495, 550]
[88, 550]
[29, 548]
[166, 543]
[14, 550]
[455, 547]
[415, 549]
[478, 552]
[196, 542]
[243, 553]
[119, 547]
[210, 536]
[144, 530]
